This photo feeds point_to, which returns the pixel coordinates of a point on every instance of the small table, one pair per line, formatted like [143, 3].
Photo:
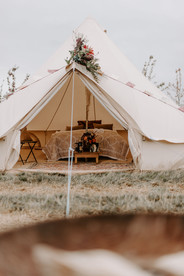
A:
[86, 155]
[31, 145]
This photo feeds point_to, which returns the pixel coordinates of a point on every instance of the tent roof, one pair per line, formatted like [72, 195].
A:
[144, 107]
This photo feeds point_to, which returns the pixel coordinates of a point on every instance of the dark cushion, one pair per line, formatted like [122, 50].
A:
[104, 126]
[68, 128]
[90, 123]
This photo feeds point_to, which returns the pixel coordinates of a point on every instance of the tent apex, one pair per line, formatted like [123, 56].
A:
[89, 19]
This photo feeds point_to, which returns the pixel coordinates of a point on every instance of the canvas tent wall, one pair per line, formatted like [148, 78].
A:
[153, 121]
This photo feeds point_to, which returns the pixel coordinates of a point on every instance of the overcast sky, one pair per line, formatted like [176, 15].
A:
[31, 30]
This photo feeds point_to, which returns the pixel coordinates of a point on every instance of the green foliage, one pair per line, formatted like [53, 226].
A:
[84, 55]
[148, 72]
[148, 68]
[176, 90]
[173, 89]
[11, 79]
[11, 83]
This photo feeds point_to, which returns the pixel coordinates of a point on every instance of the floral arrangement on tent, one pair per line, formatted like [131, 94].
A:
[84, 55]
[88, 143]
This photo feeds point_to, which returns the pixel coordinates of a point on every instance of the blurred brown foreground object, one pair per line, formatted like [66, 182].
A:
[139, 238]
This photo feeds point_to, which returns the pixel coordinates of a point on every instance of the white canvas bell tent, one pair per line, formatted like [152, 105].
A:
[122, 96]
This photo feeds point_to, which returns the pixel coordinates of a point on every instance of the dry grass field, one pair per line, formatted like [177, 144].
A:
[27, 198]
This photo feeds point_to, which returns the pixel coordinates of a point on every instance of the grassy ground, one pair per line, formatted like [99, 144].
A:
[31, 197]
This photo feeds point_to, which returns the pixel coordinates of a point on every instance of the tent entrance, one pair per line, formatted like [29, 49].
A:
[56, 115]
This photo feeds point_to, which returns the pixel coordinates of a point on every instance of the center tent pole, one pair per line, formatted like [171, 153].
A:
[70, 152]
